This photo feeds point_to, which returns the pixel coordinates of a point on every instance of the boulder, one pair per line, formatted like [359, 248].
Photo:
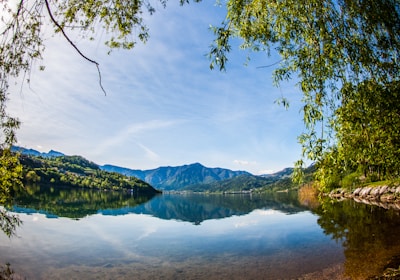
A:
[365, 191]
[375, 192]
[387, 198]
[357, 191]
[383, 190]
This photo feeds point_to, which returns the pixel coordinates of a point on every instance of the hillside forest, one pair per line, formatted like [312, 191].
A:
[76, 171]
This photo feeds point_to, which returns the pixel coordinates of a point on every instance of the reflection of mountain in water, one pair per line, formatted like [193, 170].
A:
[193, 208]
[196, 208]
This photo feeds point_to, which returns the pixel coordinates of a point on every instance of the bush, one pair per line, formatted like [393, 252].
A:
[351, 181]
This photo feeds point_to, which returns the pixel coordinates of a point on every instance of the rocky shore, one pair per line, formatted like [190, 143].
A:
[384, 196]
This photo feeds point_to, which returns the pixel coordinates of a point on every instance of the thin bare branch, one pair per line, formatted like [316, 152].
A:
[270, 65]
[74, 46]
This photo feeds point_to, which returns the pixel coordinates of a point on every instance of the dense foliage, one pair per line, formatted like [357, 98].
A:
[344, 55]
[10, 179]
[77, 172]
[280, 181]
[368, 137]
[242, 183]
[24, 26]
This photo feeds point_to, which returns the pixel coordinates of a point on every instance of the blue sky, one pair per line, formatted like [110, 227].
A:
[164, 106]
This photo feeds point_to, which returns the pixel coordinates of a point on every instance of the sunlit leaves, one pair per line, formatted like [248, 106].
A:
[8, 223]
[22, 38]
[220, 47]
[369, 128]
[327, 45]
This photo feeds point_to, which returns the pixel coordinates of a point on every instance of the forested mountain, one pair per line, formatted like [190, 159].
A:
[76, 171]
[240, 183]
[179, 177]
[56, 168]
[243, 183]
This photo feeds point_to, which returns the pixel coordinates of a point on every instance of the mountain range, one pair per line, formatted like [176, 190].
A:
[178, 177]
[194, 177]
[32, 152]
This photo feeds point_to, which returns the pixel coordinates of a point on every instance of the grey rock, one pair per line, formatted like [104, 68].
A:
[383, 190]
[357, 191]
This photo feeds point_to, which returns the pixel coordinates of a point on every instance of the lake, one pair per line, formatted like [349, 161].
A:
[87, 234]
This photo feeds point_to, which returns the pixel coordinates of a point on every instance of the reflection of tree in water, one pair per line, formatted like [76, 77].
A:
[8, 222]
[74, 203]
[6, 272]
[369, 234]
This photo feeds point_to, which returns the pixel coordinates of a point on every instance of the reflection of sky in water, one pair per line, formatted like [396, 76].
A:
[117, 240]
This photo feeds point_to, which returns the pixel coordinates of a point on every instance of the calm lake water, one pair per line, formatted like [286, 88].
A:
[86, 234]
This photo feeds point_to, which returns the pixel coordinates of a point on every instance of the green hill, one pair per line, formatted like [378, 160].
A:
[77, 171]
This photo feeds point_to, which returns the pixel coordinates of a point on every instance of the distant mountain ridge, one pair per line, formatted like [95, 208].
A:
[284, 173]
[33, 152]
[179, 177]
[194, 177]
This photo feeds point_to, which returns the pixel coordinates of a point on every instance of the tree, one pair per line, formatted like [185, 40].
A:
[369, 129]
[10, 179]
[329, 46]
[22, 43]
[22, 37]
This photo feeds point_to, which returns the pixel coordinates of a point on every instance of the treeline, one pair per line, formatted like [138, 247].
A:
[368, 133]
[76, 171]
[247, 183]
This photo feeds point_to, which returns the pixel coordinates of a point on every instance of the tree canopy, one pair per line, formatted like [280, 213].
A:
[22, 43]
[345, 56]
[23, 29]
[343, 53]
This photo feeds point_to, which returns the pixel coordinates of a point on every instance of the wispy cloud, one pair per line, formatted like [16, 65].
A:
[163, 104]
[151, 155]
[132, 132]
[244, 162]
[265, 171]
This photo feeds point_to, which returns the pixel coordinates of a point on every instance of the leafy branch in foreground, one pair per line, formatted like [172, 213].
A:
[22, 43]
[329, 46]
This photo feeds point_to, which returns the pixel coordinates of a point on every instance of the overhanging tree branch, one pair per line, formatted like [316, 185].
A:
[73, 45]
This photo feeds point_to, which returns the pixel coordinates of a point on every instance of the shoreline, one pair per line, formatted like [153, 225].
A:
[384, 196]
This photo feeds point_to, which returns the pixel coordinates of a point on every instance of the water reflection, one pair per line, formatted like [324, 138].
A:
[196, 208]
[370, 236]
[8, 222]
[73, 202]
[193, 208]
[253, 236]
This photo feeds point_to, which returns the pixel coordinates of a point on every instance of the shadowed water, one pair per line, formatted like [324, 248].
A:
[87, 234]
